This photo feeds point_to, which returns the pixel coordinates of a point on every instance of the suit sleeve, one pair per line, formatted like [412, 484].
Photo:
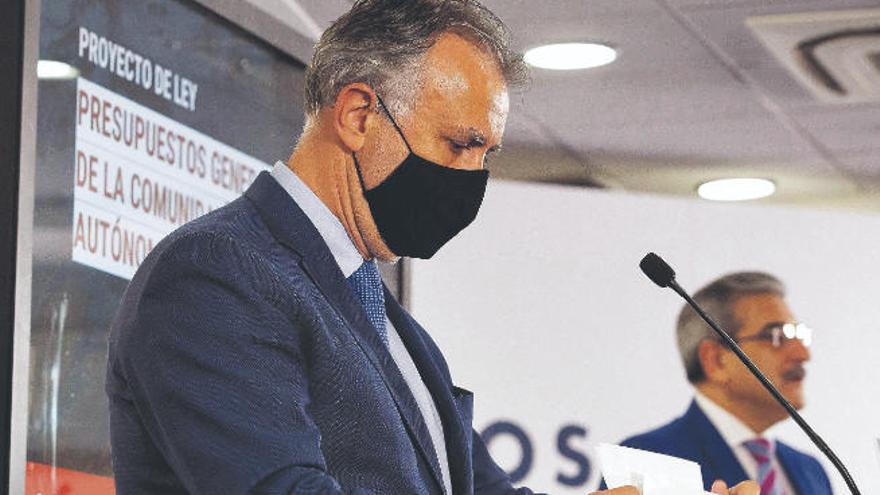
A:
[489, 478]
[213, 363]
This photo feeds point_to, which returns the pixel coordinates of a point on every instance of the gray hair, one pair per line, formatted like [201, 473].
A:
[717, 299]
[382, 42]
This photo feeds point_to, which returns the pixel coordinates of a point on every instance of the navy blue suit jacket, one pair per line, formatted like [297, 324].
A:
[241, 362]
[693, 437]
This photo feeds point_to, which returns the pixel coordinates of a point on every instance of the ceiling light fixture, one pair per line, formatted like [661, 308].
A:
[52, 70]
[742, 189]
[570, 56]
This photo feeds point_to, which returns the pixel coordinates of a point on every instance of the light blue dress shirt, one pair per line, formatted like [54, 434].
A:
[349, 259]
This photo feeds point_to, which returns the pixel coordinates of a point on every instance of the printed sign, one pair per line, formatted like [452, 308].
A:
[139, 175]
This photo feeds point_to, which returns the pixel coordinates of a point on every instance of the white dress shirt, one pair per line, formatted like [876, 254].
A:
[735, 433]
[349, 260]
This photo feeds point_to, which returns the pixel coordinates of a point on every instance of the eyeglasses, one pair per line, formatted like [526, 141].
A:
[780, 333]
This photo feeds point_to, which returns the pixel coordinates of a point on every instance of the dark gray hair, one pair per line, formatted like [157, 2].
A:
[382, 42]
[717, 299]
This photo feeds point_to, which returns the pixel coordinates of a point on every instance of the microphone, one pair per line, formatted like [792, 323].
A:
[657, 270]
[664, 276]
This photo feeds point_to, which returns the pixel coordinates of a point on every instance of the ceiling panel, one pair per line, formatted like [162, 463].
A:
[864, 168]
[846, 129]
[665, 90]
[727, 141]
[783, 4]
[724, 25]
[793, 186]
[693, 94]
[593, 99]
[520, 15]
[645, 37]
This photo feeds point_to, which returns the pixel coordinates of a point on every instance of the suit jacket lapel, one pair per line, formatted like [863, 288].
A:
[457, 435]
[719, 461]
[802, 480]
[292, 228]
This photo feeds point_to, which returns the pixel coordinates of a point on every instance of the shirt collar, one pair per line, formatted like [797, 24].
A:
[332, 232]
[734, 431]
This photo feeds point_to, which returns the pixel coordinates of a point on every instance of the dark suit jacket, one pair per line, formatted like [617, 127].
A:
[693, 437]
[241, 362]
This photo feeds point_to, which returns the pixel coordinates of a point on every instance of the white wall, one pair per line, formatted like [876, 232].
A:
[542, 311]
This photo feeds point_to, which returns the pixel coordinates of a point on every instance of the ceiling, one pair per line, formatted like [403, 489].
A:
[694, 95]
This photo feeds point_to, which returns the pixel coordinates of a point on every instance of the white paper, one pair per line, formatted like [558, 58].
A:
[652, 474]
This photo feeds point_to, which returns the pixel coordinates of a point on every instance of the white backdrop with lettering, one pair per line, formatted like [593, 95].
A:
[542, 311]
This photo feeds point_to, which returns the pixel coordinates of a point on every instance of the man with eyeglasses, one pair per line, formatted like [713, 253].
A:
[728, 427]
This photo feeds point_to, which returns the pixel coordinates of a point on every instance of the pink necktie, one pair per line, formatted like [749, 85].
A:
[762, 450]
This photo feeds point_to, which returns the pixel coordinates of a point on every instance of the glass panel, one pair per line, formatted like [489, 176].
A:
[170, 113]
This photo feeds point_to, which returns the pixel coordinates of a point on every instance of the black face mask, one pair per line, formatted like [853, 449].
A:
[422, 205]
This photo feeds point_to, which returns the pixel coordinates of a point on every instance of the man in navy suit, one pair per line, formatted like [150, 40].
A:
[256, 350]
[728, 427]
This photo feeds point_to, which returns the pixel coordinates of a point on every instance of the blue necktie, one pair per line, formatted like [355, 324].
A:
[367, 286]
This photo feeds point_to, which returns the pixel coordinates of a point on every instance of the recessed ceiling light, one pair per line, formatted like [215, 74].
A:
[570, 56]
[52, 70]
[736, 189]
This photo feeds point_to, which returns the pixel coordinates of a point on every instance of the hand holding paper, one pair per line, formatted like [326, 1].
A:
[657, 474]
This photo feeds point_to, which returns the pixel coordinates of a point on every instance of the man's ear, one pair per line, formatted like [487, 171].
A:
[354, 115]
[710, 354]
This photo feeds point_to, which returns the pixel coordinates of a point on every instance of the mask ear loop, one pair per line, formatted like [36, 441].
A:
[357, 166]
[393, 122]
